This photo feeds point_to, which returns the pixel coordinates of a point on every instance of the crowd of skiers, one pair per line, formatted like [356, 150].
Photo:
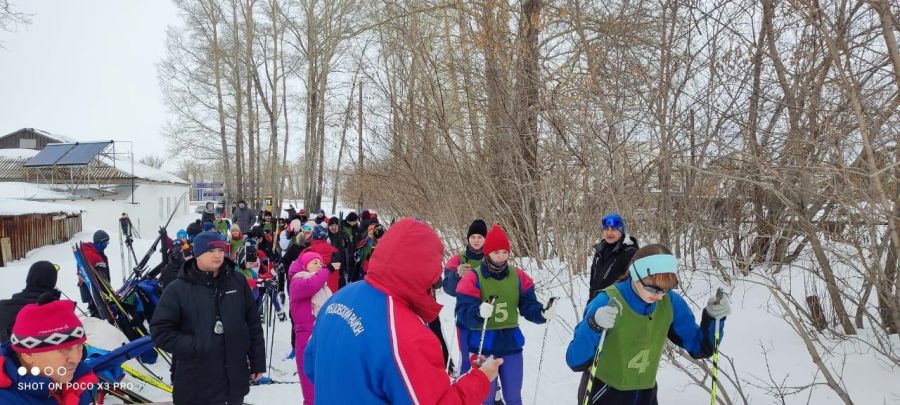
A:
[361, 299]
[217, 275]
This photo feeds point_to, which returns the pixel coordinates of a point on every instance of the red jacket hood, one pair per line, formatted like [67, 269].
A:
[406, 264]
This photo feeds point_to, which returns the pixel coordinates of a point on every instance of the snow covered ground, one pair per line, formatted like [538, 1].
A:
[764, 350]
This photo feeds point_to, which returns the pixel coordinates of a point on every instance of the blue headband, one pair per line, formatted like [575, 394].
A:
[655, 264]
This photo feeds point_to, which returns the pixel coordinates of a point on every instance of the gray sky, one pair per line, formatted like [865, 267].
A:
[87, 69]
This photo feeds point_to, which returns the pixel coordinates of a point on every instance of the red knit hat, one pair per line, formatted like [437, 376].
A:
[51, 326]
[495, 239]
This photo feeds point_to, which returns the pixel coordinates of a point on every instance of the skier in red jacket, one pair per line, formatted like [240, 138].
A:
[372, 335]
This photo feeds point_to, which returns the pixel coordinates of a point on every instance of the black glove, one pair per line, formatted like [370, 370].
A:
[162, 232]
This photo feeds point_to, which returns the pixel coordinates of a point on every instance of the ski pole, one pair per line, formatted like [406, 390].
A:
[451, 349]
[543, 344]
[590, 382]
[270, 291]
[484, 329]
[715, 372]
[76, 306]
[122, 256]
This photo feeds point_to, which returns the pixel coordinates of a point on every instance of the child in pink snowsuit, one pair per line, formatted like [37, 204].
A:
[307, 277]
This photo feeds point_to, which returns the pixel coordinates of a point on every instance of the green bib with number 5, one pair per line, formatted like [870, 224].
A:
[506, 306]
[632, 349]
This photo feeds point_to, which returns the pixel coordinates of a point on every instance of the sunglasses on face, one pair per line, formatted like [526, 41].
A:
[612, 222]
[653, 289]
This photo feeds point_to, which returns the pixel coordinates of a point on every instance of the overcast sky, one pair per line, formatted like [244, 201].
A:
[87, 69]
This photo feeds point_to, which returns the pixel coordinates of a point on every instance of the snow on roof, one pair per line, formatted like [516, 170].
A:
[61, 138]
[57, 137]
[12, 207]
[30, 191]
[145, 172]
[17, 154]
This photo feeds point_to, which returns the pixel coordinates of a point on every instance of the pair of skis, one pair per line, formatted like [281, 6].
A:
[101, 366]
[109, 306]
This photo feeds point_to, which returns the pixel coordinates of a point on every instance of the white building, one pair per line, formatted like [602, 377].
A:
[103, 181]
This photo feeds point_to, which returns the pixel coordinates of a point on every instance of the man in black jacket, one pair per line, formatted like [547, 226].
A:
[41, 280]
[208, 320]
[342, 243]
[243, 216]
[611, 255]
[209, 213]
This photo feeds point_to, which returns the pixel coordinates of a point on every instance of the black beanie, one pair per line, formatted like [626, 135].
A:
[41, 276]
[101, 237]
[333, 221]
[352, 217]
[478, 227]
[194, 228]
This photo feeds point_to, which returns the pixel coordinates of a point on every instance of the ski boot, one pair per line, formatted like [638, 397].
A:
[261, 381]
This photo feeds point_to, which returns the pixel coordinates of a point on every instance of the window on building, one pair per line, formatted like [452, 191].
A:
[27, 143]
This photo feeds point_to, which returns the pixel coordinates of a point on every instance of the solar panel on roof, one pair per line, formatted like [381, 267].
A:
[50, 154]
[83, 153]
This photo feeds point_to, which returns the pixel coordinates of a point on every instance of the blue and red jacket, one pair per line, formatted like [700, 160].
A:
[499, 342]
[684, 331]
[451, 277]
[370, 343]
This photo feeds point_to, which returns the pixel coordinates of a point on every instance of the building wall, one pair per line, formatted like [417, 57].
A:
[153, 205]
[31, 231]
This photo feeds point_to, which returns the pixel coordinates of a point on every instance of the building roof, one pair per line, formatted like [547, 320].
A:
[14, 207]
[17, 154]
[145, 172]
[57, 137]
[12, 168]
[31, 191]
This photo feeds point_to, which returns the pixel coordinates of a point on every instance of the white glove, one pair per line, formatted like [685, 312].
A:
[549, 313]
[485, 310]
[606, 317]
[720, 310]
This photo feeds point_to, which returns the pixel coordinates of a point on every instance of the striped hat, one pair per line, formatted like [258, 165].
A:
[51, 326]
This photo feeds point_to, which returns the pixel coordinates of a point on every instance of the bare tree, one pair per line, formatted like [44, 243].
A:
[10, 18]
[153, 161]
[754, 138]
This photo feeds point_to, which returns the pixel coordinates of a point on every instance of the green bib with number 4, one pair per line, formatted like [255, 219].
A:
[506, 306]
[632, 348]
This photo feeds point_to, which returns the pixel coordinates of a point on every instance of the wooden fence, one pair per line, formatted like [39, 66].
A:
[31, 231]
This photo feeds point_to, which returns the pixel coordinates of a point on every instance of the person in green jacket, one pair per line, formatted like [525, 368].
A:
[222, 225]
[236, 240]
[638, 315]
